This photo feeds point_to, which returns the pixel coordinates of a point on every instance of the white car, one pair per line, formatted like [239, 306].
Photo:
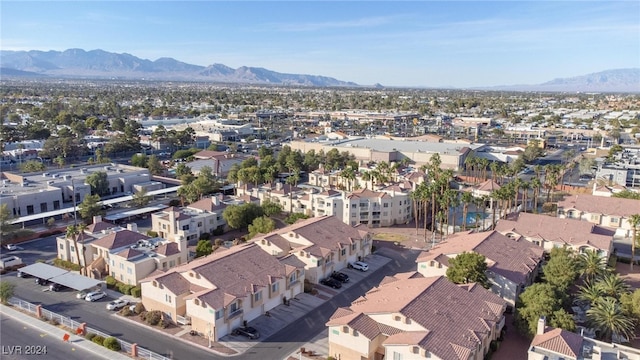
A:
[81, 295]
[94, 296]
[359, 265]
[11, 247]
[117, 304]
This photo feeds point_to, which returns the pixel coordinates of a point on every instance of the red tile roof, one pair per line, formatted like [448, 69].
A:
[129, 253]
[601, 205]
[560, 230]
[119, 239]
[168, 249]
[207, 204]
[454, 318]
[99, 226]
[559, 341]
[512, 259]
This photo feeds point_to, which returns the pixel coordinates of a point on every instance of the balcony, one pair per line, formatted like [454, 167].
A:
[234, 314]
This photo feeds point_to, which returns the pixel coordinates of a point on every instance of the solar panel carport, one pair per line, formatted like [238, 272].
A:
[60, 276]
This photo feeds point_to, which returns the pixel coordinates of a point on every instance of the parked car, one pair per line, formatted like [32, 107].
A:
[117, 304]
[342, 277]
[81, 295]
[11, 247]
[247, 331]
[331, 282]
[95, 295]
[56, 287]
[359, 265]
[42, 282]
[22, 274]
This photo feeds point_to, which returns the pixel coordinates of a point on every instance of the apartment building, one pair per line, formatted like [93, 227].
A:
[549, 232]
[125, 254]
[191, 221]
[323, 244]
[512, 264]
[219, 292]
[409, 316]
[605, 211]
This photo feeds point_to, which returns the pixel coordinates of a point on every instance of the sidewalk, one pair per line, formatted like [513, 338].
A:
[56, 332]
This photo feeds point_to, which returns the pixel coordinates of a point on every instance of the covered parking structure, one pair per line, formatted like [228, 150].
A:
[61, 276]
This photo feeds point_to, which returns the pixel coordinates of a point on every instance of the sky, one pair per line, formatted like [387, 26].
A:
[393, 43]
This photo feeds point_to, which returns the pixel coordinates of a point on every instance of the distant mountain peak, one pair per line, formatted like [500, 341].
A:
[100, 64]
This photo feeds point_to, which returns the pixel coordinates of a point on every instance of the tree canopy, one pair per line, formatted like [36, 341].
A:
[240, 216]
[261, 225]
[99, 183]
[90, 207]
[468, 267]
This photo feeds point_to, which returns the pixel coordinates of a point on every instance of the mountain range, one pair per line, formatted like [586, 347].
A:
[100, 64]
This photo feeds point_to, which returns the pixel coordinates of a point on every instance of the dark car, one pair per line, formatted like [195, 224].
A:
[247, 331]
[342, 277]
[331, 282]
[42, 282]
[56, 287]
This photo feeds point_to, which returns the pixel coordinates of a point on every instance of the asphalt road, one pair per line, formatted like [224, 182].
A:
[17, 339]
[278, 346]
[33, 250]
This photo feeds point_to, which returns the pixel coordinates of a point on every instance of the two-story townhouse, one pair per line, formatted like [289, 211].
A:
[324, 244]
[512, 264]
[389, 207]
[221, 291]
[409, 316]
[605, 211]
[549, 232]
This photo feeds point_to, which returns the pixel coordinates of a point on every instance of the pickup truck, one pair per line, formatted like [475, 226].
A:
[8, 261]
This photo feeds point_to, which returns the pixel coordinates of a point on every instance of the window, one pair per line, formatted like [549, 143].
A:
[233, 307]
[56, 204]
[595, 217]
[614, 220]
[185, 227]
[200, 224]
[274, 287]
[129, 271]
[257, 296]
[319, 262]
[121, 277]
[172, 263]
[164, 226]
[345, 329]
[415, 350]
[121, 266]
[196, 301]
[29, 209]
[293, 277]
[355, 333]
[354, 246]
[61, 246]
[343, 252]
[72, 248]
[397, 356]
[353, 206]
[210, 221]
[167, 298]
[219, 314]
[397, 318]
[43, 207]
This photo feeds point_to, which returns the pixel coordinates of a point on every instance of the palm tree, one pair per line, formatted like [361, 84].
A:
[612, 285]
[484, 163]
[536, 185]
[589, 292]
[525, 186]
[591, 265]
[366, 176]
[607, 317]
[494, 169]
[73, 231]
[634, 221]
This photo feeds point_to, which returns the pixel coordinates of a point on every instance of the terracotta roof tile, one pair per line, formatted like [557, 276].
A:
[168, 249]
[601, 205]
[560, 341]
[129, 253]
[99, 226]
[119, 239]
[488, 185]
[560, 230]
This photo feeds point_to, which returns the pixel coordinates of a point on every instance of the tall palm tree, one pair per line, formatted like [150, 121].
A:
[634, 221]
[607, 317]
[591, 265]
[366, 176]
[525, 186]
[589, 292]
[536, 185]
[494, 166]
[73, 232]
[484, 163]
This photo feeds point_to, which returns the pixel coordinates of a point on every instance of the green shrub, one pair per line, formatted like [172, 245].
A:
[111, 281]
[153, 317]
[111, 343]
[68, 265]
[126, 311]
[90, 336]
[98, 340]
[174, 202]
[136, 291]
[152, 233]
[205, 236]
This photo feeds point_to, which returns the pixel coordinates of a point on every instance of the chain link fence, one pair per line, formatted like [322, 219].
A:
[72, 324]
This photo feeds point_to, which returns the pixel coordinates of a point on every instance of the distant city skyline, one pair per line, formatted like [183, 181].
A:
[414, 44]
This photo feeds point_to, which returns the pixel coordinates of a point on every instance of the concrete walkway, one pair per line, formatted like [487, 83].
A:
[56, 332]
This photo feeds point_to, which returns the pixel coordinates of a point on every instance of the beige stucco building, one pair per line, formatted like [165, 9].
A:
[217, 293]
[191, 221]
[605, 211]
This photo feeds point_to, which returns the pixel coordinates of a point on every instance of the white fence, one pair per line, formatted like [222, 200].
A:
[72, 324]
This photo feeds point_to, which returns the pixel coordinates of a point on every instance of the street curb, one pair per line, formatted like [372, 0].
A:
[54, 331]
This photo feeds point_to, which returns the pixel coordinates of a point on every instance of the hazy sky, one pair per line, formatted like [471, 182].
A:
[415, 43]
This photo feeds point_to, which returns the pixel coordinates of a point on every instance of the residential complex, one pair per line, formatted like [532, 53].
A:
[512, 264]
[549, 232]
[219, 292]
[191, 221]
[321, 244]
[409, 316]
[605, 211]
[124, 254]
